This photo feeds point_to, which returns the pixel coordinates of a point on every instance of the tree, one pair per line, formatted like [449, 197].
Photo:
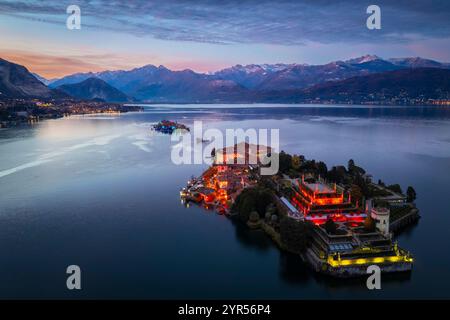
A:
[253, 221]
[362, 184]
[322, 168]
[296, 162]
[411, 194]
[330, 226]
[271, 209]
[351, 164]
[253, 199]
[369, 224]
[337, 174]
[264, 197]
[293, 173]
[246, 206]
[254, 217]
[395, 187]
[285, 162]
[274, 218]
[356, 194]
[294, 234]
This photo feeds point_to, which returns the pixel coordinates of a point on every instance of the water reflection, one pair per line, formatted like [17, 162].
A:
[293, 271]
[255, 239]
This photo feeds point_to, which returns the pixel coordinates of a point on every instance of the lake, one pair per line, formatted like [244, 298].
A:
[101, 192]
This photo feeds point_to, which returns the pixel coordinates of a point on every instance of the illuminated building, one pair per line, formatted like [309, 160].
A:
[207, 194]
[349, 249]
[228, 180]
[350, 252]
[381, 216]
[319, 201]
[242, 154]
[220, 184]
[394, 199]
[230, 172]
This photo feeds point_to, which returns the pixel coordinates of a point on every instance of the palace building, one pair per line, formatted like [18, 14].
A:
[242, 154]
[351, 252]
[317, 201]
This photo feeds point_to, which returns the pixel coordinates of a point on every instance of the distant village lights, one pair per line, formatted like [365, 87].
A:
[189, 147]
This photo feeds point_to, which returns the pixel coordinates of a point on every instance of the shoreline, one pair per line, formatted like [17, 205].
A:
[293, 105]
[35, 114]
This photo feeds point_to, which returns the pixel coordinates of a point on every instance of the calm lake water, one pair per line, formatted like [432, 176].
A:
[101, 192]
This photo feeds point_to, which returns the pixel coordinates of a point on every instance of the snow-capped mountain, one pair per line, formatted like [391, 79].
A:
[152, 83]
[252, 75]
[418, 62]
[363, 59]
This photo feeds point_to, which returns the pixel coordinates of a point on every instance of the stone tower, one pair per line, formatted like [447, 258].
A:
[381, 216]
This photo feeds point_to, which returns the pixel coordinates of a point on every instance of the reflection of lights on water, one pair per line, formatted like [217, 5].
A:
[185, 202]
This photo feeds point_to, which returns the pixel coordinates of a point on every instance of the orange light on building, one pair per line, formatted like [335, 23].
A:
[223, 184]
[326, 201]
[209, 198]
[319, 201]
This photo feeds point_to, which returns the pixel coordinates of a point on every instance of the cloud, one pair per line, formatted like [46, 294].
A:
[247, 21]
[51, 66]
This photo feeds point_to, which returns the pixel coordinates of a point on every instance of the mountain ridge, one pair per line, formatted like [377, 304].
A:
[158, 83]
[94, 89]
[238, 84]
[17, 82]
[396, 87]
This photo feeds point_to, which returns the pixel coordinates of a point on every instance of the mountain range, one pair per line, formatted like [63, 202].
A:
[17, 82]
[392, 87]
[249, 83]
[94, 89]
[239, 83]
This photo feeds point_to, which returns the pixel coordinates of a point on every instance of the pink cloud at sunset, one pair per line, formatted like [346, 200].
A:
[56, 66]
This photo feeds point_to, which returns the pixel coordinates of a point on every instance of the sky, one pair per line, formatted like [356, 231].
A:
[206, 36]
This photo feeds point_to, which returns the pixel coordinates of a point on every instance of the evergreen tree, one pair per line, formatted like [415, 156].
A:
[411, 194]
[330, 226]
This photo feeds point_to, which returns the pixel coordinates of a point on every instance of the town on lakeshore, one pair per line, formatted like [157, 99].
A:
[338, 221]
[18, 111]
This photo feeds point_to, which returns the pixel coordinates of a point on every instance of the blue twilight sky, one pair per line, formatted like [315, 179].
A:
[209, 35]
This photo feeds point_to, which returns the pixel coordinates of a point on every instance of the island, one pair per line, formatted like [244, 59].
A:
[338, 221]
[169, 127]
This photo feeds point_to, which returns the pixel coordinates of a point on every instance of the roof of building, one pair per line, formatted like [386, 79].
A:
[319, 187]
[248, 147]
[205, 190]
[338, 247]
[289, 205]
